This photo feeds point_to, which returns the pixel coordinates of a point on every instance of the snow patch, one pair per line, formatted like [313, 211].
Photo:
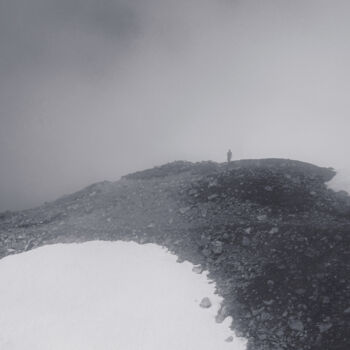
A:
[107, 295]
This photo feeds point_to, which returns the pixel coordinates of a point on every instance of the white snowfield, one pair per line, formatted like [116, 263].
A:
[341, 181]
[107, 295]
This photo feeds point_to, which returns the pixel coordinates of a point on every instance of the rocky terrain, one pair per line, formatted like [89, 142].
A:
[274, 238]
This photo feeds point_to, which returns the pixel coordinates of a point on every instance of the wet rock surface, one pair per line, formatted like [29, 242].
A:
[272, 236]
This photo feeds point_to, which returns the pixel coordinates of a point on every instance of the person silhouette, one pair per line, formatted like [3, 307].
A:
[229, 156]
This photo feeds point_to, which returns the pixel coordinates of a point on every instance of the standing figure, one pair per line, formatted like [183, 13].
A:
[229, 156]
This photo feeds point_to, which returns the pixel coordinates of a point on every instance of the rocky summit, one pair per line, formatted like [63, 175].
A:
[271, 234]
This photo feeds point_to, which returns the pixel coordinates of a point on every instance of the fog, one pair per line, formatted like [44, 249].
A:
[91, 90]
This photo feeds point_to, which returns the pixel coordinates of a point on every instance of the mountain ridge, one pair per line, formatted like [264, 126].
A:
[272, 235]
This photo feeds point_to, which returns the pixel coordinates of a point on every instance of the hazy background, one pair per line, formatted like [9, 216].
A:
[93, 89]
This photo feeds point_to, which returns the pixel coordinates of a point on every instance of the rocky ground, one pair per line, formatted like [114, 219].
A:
[275, 239]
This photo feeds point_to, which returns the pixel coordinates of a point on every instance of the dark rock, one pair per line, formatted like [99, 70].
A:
[324, 327]
[229, 339]
[206, 252]
[184, 210]
[347, 311]
[205, 303]
[222, 314]
[197, 269]
[295, 324]
[217, 247]
[245, 241]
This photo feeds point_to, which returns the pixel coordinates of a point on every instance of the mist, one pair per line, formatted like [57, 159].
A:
[91, 90]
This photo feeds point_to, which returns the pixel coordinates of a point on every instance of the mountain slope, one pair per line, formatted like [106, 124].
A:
[273, 236]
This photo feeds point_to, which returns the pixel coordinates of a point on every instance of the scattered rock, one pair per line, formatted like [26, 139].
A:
[205, 303]
[213, 196]
[197, 269]
[184, 210]
[270, 283]
[347, 311]
[31, 243]
[273, 230]
[204, 212]
[206, 252]
[217, 247]
[262, 336]
[324, 327]
[295, 324]
[222, 314]
[325, 300]
[265, 316]
[245, 241]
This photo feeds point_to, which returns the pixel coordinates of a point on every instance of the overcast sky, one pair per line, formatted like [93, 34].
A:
[93, 89]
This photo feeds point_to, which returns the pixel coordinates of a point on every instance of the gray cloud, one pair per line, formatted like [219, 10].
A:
[93, 89]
